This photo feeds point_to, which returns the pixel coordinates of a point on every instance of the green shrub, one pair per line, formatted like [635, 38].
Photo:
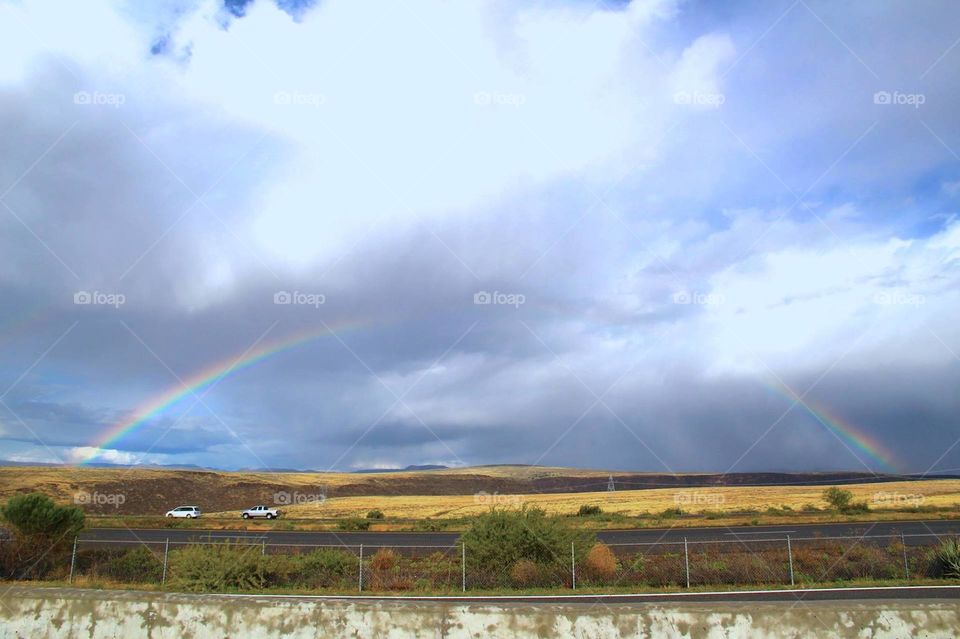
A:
[35, 516]
[857, 507]
[497, 540]
[837, 498]
[671, 513]
[945, 559]
[139, 565]
[42, 533]
[423, 585]
[375, 514]
[324, 568]
[587, 510]
[428, 525]
[353, 523]
[220, 567]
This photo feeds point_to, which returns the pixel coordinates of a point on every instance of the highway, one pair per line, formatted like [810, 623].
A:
[915, 533]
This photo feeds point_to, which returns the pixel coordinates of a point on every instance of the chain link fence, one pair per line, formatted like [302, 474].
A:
[252, 563]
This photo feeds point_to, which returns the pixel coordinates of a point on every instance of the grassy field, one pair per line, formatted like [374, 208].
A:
[723, 500]
[406, 498]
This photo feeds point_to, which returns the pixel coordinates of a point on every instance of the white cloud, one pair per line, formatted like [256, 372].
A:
[394, 119]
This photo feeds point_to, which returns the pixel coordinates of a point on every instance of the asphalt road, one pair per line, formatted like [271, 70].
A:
[915, 533]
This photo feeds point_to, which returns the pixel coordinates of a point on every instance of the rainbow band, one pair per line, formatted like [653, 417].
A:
[854, 436]
[205, 378]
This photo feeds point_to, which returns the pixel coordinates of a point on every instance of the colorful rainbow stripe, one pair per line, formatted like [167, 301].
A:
[205, 378]
[854, 436]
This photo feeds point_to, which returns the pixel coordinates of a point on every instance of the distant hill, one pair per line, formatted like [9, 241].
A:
[402, 470]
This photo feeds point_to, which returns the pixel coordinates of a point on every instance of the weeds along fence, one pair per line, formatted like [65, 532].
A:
[209, 566]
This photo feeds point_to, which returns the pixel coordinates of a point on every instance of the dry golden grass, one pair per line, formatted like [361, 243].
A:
[937, 493]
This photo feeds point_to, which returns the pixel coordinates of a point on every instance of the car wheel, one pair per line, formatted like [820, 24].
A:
[169, 515]
[270, 516]
[245, 516]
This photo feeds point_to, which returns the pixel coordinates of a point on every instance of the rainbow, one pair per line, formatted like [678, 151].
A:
[855, 437]
[206, 378]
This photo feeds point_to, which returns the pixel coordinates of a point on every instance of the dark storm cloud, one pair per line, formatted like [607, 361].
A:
[609, 360]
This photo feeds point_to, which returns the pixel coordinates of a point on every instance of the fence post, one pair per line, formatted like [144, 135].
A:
[686, 560]
[360, 579]
[573, 565]
[263, 547]
[906, 566]
[790, 556]
[166, 551]
[463, 565]
[73, 559]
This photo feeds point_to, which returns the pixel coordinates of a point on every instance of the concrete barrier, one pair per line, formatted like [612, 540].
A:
[93, 614]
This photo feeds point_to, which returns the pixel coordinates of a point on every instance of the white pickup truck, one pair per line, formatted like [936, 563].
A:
[261, 511]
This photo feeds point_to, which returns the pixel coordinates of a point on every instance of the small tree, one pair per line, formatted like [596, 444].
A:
[376, 513]
[36, 516]
[42, 531]
[838, 498]
[497, 540]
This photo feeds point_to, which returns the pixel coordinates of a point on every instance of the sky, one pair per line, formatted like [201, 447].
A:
[657, 235]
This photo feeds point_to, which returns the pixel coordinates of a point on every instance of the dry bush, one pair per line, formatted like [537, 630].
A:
[384, 559]
[601, 562]
[524, 573]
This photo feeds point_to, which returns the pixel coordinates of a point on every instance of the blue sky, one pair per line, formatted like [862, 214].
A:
[679, 206]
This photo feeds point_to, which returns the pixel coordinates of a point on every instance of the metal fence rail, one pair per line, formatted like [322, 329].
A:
[769, 560]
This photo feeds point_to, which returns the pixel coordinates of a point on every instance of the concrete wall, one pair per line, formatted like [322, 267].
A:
[53, 612]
